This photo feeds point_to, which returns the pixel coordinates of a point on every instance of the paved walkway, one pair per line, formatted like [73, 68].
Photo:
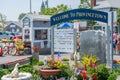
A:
[9, 58]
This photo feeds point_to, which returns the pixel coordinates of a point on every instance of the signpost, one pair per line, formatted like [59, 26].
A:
[83, 14]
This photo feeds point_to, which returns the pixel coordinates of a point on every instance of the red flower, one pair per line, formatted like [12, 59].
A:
[83, 73]
[94, 77]
[114, 61]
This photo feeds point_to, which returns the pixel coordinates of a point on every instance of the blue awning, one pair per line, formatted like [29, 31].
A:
[65, 25]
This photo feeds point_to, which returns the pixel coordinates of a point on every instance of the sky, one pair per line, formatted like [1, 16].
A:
[12, 8]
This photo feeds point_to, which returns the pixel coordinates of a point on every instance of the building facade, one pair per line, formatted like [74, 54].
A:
[13, 26]
[36, 28]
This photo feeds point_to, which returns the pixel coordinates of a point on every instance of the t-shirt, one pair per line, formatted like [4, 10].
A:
[114, 36]
[118, 45]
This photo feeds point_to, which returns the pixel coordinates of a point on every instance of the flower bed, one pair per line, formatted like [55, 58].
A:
[100, 72]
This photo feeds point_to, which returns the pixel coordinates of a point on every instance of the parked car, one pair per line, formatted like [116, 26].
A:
[10, 36]
[5, 35]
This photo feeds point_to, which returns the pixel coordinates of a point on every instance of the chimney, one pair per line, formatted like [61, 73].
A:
[93, 3]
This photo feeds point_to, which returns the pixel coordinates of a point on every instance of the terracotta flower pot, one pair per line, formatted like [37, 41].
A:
[35, 49]
[46, 73]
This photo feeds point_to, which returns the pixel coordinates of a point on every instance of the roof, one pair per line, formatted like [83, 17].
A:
[107, 4]
[39, 17]
[14, 22]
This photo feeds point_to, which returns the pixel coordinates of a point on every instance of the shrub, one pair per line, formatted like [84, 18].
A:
[33, 61]
[112, 76]
[80, 77]
[29, 68]
[102, 72]
[40, 63]
[89, 61]
[3, 72]
[65, 59]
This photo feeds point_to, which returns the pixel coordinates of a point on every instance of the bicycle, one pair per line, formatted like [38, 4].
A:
[9, 49]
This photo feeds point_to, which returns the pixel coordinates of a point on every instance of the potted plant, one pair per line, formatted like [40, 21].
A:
[53, 67]
[35, 49]
[36, 52]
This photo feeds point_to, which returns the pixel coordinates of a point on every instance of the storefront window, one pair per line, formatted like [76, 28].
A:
[41, 34]
[27, 31]
[27, 36]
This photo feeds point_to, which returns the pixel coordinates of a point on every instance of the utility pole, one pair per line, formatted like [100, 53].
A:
[30, 7]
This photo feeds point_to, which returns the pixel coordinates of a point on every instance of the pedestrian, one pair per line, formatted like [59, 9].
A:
[114, 40]
[118, 46]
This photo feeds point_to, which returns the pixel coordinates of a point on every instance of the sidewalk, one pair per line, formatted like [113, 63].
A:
[9, 58]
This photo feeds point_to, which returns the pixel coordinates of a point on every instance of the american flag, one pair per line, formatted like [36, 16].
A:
[59, 56]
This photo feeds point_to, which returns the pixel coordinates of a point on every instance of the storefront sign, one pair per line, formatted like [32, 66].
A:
[86, 14]
[64, 40]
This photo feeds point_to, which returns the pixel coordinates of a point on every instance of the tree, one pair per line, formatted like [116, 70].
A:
[86, 4]
[49, 11]
[62, 8]
[54, 10]
[118, 15]
[21, 16]
[2, 21]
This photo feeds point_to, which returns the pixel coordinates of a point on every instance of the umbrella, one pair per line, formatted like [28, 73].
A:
[65, 25]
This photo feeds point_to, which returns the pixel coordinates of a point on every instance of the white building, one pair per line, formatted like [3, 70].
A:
[108, 6]
[36, 28]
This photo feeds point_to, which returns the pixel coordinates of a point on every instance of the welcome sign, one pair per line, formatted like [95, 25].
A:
[81, 13]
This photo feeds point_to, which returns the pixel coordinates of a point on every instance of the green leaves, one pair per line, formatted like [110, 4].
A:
[54, 10]
[102, 72]
[3, 72]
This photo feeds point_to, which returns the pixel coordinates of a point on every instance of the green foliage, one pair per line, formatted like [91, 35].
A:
[91, 22]
[33, 61]
[65, 73]
[84, 4]
[65, 59]
[79, 77]
[54, 10]
[85, 60]
[61, 65]
[112, 76]
[3, 72]
[118, 16]
[40, 63]
[91, 71]
[2, 21]
[29, 68]
[21, 16]
[102, 72]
